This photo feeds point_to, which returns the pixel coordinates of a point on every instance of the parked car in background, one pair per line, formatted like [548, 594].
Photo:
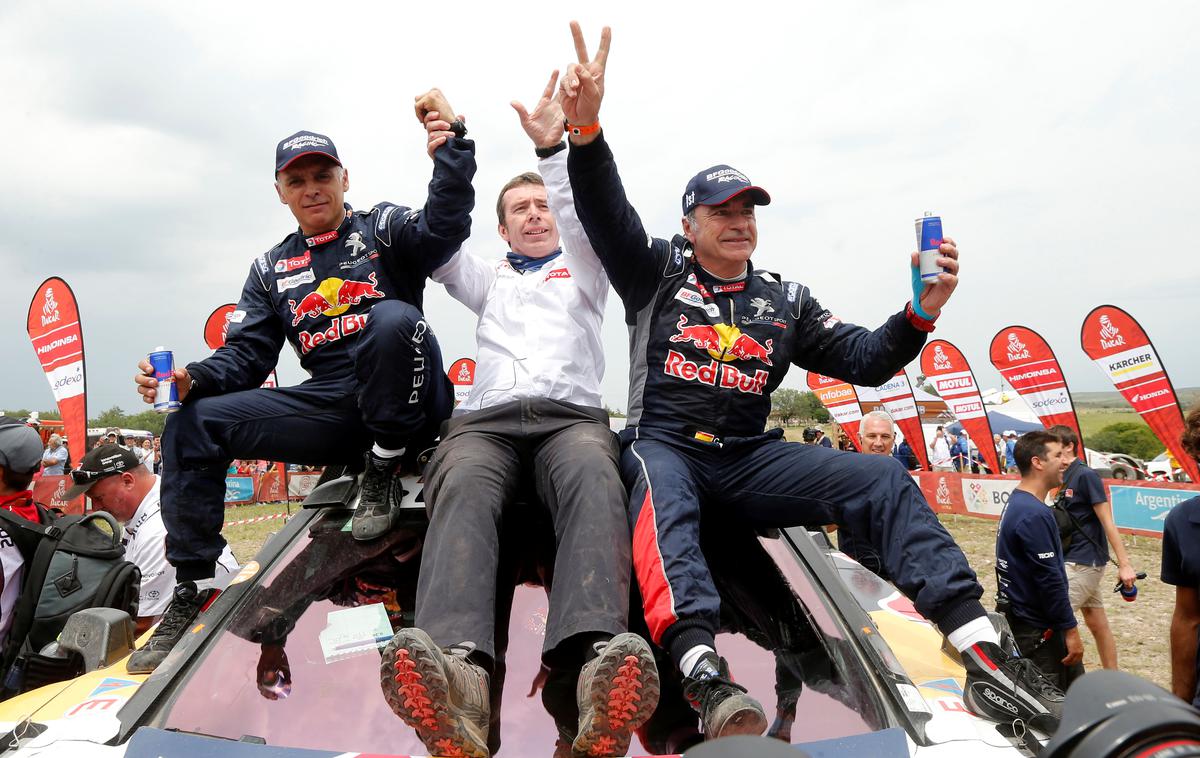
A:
[1116, 465]
[1165, 468]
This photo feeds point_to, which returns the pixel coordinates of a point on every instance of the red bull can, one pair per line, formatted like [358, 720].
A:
[162, 366]
[929, 238]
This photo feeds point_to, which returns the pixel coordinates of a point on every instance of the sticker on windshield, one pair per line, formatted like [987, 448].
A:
[355, 631]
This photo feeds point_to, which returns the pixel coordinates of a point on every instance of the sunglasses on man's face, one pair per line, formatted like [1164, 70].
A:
[80, 476]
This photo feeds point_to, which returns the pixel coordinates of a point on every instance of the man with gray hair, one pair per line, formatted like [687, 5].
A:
[877, 433]
[55, 457]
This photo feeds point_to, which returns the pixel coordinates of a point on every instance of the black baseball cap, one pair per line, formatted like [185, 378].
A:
[304, 143]
[103, 461]
[719, 184]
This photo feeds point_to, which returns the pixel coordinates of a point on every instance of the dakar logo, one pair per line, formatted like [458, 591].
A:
[355, 243]
[1110, 336]
[1016, 348]
[464, 374]
[60, 494]
[943, 492]
[941, 361]
[50, 312]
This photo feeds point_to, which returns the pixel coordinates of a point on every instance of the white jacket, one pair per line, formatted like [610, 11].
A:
[539, 331]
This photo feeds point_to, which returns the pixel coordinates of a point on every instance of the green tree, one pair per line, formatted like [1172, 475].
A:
[812, 409]
[1126, 437]
[786, 404]
[148, 420]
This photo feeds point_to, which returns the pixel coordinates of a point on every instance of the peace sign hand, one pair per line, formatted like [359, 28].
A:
[582, 88]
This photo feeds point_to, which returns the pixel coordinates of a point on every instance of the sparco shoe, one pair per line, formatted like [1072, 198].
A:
[186, 602]
[378, 499]
[617, 692]
[725, 708]
[440, 694]
[1009, 689]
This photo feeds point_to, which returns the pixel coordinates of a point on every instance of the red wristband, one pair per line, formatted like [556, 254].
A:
[584, 130]
[918, 323]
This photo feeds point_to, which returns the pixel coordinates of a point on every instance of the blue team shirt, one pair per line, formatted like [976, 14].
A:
[1009, 460]
[1085, 491]
[1029, 564]
[1181, 557]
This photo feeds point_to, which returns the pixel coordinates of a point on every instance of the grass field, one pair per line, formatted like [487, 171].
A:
[1140, 628]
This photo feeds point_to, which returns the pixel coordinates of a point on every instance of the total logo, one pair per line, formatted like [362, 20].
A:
[723, 342]
[1016, 348]
[333, 296]
[50, 314]
[941, 361]
[1110, 336]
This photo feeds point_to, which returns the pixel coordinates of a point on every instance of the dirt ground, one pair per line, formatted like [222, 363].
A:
[1141, 628]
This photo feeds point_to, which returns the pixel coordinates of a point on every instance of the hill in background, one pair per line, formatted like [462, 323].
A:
[1189, 397]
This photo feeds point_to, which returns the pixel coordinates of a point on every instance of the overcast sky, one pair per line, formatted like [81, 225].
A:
[1058, 142]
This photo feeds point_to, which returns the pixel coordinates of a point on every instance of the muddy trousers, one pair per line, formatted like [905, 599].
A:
[325, 421]
[473, 481]
[766, 482]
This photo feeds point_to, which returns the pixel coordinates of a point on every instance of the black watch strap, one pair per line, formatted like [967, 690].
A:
[459, 128]
[546, 152]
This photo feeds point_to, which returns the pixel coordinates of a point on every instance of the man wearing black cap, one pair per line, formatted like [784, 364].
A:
[20, 457]
[345, 291]
[711, 338]
[117, 482]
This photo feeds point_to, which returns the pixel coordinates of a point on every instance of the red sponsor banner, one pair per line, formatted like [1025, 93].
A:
[54, 328]
[50, 491]
[462, 376]
[1120, 347]
[1026, 362]
[841, 401]
[896, 396]
[942, 490]
[216, 331]
[945, 366]
[216, 328]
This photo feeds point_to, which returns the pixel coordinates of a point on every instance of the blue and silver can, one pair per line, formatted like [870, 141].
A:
[929, 238]
[166, 398]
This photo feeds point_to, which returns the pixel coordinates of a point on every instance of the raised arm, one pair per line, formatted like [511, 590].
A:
[425, 239]
[630, 256]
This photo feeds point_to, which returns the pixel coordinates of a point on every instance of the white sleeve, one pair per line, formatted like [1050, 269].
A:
[149, 551]
[467, 278]
[562, 205]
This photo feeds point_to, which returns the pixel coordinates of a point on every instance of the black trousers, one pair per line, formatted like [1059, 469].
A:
[324, 421]
[1046, 648]
[471, 484]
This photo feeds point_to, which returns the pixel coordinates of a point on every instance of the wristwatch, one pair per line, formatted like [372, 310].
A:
[546, 152]
[459, 128]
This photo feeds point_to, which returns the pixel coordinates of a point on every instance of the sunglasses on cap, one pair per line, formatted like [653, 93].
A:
[80, 476]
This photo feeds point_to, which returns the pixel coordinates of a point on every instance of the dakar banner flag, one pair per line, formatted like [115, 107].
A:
[841, 401]
[53, 326]
[945, 366]
[1119, 346]
[896, 396]
[216, 329]
[1027, 363]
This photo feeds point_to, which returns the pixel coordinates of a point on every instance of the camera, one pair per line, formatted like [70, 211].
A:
[1112, 714]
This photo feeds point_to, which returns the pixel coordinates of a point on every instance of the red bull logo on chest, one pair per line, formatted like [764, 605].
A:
[723, 342]
[333, 297]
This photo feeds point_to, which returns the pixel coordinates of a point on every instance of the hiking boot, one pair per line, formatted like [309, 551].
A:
[440, 694]
[617, 692]
[725, 708]
[378, 500]
[1008, 689]
[186, 602]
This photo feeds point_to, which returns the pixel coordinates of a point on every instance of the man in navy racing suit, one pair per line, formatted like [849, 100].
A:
[711, 338]
[345, 291]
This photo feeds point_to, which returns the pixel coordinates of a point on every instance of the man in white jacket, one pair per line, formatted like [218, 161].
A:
[535, 407]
